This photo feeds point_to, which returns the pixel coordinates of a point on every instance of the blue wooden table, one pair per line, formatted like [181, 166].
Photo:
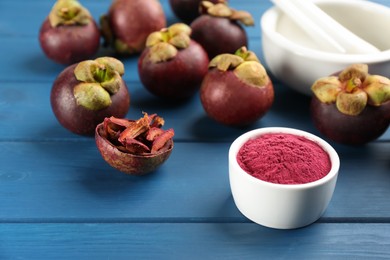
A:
[60, 200]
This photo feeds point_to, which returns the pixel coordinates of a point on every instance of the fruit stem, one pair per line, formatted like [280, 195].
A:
[246, 55]
[165, 35]
[101, 74]
[67, 14]
[352, 84]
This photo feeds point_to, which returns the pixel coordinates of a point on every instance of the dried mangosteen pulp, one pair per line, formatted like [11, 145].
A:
[219, 28]
[237, 89]
[129, 22]
[69, 34]
[352, 107]
[172, 66]
[87, 92]
[134, 146]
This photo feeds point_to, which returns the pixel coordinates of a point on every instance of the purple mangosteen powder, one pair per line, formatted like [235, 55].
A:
[284, 159]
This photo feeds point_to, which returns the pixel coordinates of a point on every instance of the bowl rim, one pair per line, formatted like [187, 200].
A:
[242, 139]
[268, 22]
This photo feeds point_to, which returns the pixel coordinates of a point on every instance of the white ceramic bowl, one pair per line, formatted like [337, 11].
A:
[293, 58]
[281, 206]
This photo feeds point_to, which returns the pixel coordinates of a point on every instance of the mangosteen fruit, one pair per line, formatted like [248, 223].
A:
[236, 90]
[85, 93]
[69, 34]
[351, 107]
[219, 28]
[188, 10]
[134, 147]
[172, 66]
[129, 22]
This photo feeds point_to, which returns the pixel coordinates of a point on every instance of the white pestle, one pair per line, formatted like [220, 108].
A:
[330, 35]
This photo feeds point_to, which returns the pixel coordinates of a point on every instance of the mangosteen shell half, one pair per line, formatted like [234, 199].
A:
[126, 162]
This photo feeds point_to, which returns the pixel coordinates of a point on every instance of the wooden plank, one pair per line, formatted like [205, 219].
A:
[29, 64]
[59, 199]
[188, 119]
[19, 37]
[192, 241]
[69, 181]
[38, 10]
[27, 106]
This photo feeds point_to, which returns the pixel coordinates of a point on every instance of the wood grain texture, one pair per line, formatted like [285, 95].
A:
[192, 241]
[38, 11]
[60, 200]
[69, 181]
[189, 120]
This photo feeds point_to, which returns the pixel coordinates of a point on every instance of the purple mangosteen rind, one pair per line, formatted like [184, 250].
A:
[237, 89]
[129, 163]
[218, 35]
[219, 28]
[369, 125]
[188, 10]
[176, 78]
[69, 34]
[126, 36]
[244, 105]
[80, 119]
[351, 106]
[172, 66]
[69, 44]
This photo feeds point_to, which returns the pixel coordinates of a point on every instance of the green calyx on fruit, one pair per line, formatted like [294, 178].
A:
[165, 43]
[245, 65]
[100, 78]
[223, 10]
[69, 12]
[353, 89]
[378, 89]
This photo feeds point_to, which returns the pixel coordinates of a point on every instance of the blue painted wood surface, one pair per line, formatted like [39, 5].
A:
[60, 200]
